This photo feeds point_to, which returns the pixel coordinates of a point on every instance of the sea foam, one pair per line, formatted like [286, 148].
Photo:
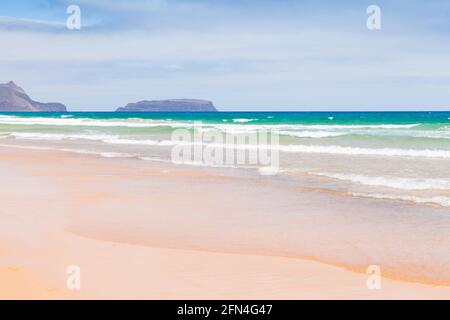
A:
[297, 148]
[391, 182]
[442, 201]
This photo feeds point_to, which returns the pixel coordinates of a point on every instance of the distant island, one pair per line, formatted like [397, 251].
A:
[172, 105]
[14, 99]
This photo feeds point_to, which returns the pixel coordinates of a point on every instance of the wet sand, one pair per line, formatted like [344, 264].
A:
[150, 231]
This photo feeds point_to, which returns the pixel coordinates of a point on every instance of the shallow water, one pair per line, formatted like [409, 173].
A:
[391, 155]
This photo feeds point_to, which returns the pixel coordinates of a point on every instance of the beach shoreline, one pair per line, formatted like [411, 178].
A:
[61, 209]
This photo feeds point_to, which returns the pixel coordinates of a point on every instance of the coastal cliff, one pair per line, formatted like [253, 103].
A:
[173, 105]
[14, 99]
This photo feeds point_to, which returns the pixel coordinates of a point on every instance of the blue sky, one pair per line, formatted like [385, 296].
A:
[243, 55]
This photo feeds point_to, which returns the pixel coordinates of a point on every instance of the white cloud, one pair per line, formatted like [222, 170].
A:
[21, 23]
[236, 63]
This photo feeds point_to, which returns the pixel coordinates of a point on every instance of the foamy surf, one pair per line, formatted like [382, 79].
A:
[441, 201]
[59, 136]
[319, 149]
[325, 143]
[312, 134]
[77, 151]
[85, 122]
[70, 120]
[244, 120]
[296, 127]
[390, 182]
[356, 151]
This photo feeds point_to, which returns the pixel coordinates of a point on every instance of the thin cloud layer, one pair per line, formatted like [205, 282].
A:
[274, 55]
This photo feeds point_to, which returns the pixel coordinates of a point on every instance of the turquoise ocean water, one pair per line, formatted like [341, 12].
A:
[352, 189]
[400, 156]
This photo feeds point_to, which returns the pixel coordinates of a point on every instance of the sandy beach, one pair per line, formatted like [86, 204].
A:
[239, 150]
[158, 232]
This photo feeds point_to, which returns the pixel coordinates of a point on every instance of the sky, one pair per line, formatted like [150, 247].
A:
[244, 55]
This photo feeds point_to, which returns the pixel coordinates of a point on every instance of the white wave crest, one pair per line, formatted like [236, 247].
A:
[143, 123]
[79, 151]
[132, 123]
[244, 120]
[355, 151]
[312, 134]
[294, 127]
[57, 136]
[330, 149]
[390, 182]
[442, 201]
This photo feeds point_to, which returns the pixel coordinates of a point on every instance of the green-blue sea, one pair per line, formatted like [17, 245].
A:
[400, 156]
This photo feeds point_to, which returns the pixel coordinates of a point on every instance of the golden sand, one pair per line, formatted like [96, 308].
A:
[59, 209]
